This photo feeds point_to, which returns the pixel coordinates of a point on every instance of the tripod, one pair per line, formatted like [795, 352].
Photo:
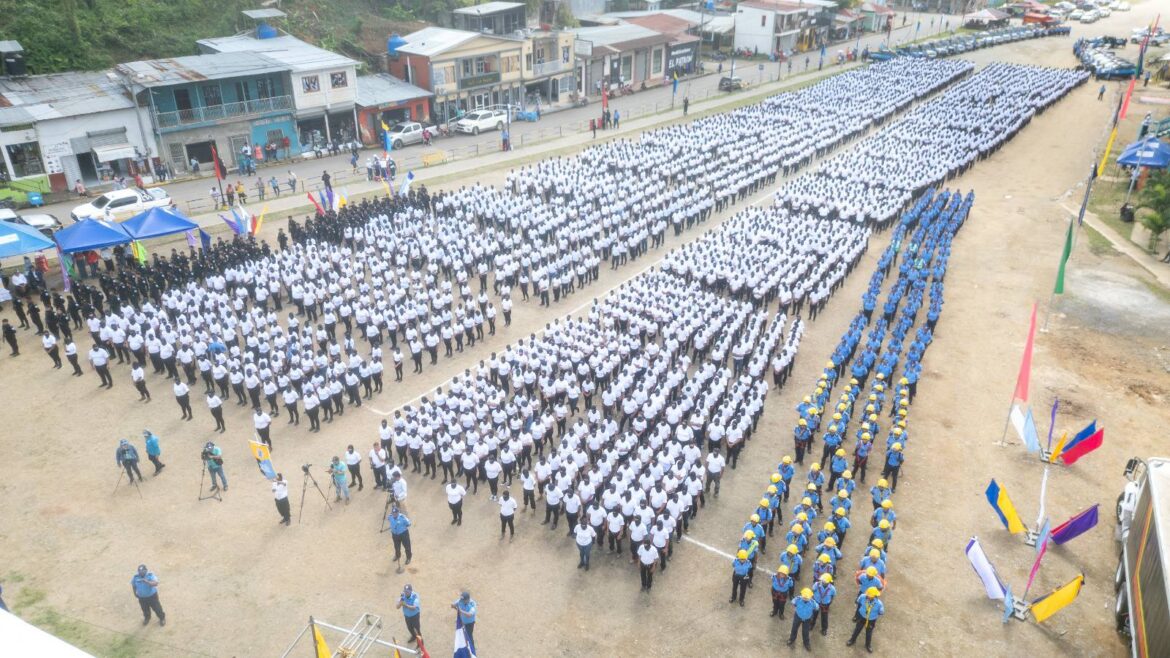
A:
[132, 481]
[391, 501]
[305, 487]
[214, 493]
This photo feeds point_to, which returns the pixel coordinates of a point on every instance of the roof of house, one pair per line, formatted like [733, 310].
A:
[780, 7]
[488, 7]
[664, 23]
[11, 47]
[384, 89]
[60, 95]
[872, 8]
[261, 14]
[617, 38]
[286, 49]
[195, 68]
[431, 41]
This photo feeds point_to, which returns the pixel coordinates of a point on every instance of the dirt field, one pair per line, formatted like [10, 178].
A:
[235, 583]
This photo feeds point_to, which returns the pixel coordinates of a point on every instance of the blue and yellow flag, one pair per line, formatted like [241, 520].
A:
[1003, 507]
[1046, 606]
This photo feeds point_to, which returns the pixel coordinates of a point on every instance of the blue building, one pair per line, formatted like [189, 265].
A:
[235, 102]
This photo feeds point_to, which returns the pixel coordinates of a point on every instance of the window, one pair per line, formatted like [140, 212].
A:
[338, 80]
[243, 93]
[275, 137]
[310, 84]
[528, 62]
[211, 95]
[657, 61]
[26, 159]
[265, 88]
[510, 63]
[628, 68]
[763, 20]
[565, 54]
[123, 201]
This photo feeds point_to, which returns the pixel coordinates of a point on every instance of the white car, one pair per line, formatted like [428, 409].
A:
[43, 222]
[1067, 6]
[1104, 12]
[1076, 15]
[122, 204]
[1122, 6]
[478, 121]
[1090, 17]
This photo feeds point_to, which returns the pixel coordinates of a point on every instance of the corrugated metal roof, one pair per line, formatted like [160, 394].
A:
[15, 116]
[431, 41]
[286, 49]
[11, 47]
[61, 95]
[488, 8]
[384, 89]
[627, 35]
[259, 14]
[180, 70]
[664, 23]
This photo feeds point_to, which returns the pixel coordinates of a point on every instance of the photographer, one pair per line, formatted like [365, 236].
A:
[127, 457]
[212, 458]
[337, 471]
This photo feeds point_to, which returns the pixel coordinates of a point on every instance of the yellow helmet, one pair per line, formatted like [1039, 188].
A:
[903, 381]
[840, 511]
[815, 467]
[871, 571]
[806, 593]
[873, 553]
[830, 364]
[902, 423]
[873, 419]
[823, 557]
[741, 555]
[869, 408]
[897, 447]
[826, 578]
[802, 517]
[830, 526]
[903, 402]
[814, 411]
[847, 474]
[833, 428]
[786, 459]
[887, 503]
[897, 431]
[775, 477]
[811, 487]
[879, 387]
[866, 436]
[884, 524]
[830, 542]
[798, 529]
[749, 535]
[872, 592]
[879, 544]
[904, 391]
[792, 549]
[841, 493]
[806, 501]
[881, 375]
[772, 489]
[763, 503]
[902, 412]
[882, 483]
[784, 569]
[853, 381]
[840, 452]
[755, 518]
[803, 423]
[873, 397]
[807, 399]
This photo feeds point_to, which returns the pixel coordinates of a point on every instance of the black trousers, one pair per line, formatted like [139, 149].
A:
[401, 543]
[412, 625]
[131, 466]
[282, 507]
[217, 413]
[859, 623]
[647, 573]
[185, 405]
[104, 374]
[456, 512]
[508, 522]
[149, 604]
[801, 625]
[738, 588]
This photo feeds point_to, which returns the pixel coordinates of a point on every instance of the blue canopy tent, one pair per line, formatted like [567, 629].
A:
[17, 239]
[91, 234]
[1149, 152]
[157, 222]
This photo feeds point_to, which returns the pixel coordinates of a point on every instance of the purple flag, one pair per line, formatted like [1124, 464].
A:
[1076, 526]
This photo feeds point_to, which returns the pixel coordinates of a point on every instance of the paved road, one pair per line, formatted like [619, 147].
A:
[193, 195]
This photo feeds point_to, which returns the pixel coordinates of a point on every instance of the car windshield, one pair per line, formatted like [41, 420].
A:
[101, 201]
[400, 128]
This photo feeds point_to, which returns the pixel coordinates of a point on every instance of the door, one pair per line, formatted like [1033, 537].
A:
[555, 90]
[182, 100]
[238, 142]
[480, 100]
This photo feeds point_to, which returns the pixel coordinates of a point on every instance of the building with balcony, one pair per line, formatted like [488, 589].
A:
[549, 67]
[772, 26]
[498, 18]
[322, 84]
[612, 55]
[464, 70]
[228, 101]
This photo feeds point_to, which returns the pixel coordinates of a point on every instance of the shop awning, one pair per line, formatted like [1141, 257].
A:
[113, 152]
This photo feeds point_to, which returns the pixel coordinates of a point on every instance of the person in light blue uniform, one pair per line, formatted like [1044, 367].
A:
[408, 602]
[804, 607]
[466, 608]
[400, 533]
[869, 609]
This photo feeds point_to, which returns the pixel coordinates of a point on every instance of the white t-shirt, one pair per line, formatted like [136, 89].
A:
[585, 535]
[647, 555]
[280, 490]
[455, 494]
[507, 506]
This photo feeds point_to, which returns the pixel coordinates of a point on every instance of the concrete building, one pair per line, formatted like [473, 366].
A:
[382, 98]
[773, 26]
[323, 84]
[609, 56]
[682, 54]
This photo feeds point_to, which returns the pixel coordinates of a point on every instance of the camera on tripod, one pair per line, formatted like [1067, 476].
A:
[305, 468]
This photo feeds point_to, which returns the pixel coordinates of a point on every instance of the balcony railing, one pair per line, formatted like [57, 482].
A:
[223, 112]
[548, 68]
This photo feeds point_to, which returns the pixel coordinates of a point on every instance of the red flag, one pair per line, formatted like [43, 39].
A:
[320, 210]
[604, 98]
[1125, 101]
[421, 649]
[1071, 455]
[215, 163]
[1036, 566]
[1026, 363]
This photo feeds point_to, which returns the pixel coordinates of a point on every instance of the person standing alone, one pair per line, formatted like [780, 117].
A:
[280, 493]
[153, 451]
[144, 584]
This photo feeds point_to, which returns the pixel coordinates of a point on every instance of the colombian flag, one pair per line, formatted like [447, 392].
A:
[1003, 507]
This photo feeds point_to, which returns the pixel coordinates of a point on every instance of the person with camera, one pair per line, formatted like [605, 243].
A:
[408, 603]
[400, 533]
[337, 471]
[144, 584]
[127, 457]
[280, 493]
[213, 459]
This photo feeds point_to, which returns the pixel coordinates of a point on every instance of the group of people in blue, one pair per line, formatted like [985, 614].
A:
[872, 353]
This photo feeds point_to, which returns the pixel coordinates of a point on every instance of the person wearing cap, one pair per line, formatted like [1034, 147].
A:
[879, 492]
[883, 531]
[585, 536]
[411, 612]
[884, 513]
[804, 607]
[786, 470]
[466, 609]
[399, 533]
[280, 494]
[873, 558]
[846, 482]
[647, 559]
[823, 593]
[774, 512]
[837, 467]
[741, 569]
[894, 459]
[213, 460]
[337, 471]
[869, 609]
[869, 577]
[754, 524]
[144, 584]
[127, 457]
[782, 585]
[153, 451]
[801, 435]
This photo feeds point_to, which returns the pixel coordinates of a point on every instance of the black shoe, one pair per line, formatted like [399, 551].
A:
[408, 560]
[850, 643]
[145, 622]
[162, 621]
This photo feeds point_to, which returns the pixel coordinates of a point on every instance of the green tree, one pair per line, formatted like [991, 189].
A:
[1155, 200]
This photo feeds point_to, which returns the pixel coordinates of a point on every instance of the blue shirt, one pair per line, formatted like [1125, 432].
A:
[781, 584]
[823, 593]
[152, 447]
[870, 609]
[741, 567]
[144, 586]
[398, 524]
[411, 600]
[466, 610]
[805, 608]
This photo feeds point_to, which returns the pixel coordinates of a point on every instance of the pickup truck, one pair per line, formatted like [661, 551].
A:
[122, 204]
[475, 122]
[730, 83]
[407, 133]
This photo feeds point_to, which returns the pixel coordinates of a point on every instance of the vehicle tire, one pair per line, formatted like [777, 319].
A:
[397, 144]
[1117, 511]
[499, 125]
[475, 131]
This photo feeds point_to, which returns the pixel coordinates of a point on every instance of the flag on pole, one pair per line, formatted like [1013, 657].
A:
[1045, 534]
[66, 263]
[1003, 507]
[1125, 99]
[320, 210]
[1108, 148]
[259, 221]
[991, 583]
[1040, 516]
[1072, 453]
[139, 251]
[387, 145]
[1026, 427]
[1052, 421]
[263, 458]
[1088, 431]
[319, 641]
[1009, 605]
[219, 173]
[1059, 448]
[387, 186]
[343, 198]
[231, 224]
[1075, 527]
[1088, 191]
[192, 240]
[464, 646]
[407, 180]
[1046, 606]
[1068, 240]
[204, 239]
[1025, 374]
[1035, 566]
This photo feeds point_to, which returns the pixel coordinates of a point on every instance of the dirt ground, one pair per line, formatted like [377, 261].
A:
[235, 583]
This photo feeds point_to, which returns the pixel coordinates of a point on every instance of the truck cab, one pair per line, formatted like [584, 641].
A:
[1142, 606]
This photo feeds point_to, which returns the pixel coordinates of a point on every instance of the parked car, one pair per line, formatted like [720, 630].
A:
[478, 121]
[1076, 15]
[122, 204]
[43, 222]
[731, 83]
[406, 133]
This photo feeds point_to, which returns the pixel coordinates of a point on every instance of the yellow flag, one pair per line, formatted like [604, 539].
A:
[1059, 447]
[1108, 148]
[387, 186]
[385, 127]
[259, 220]
[319, 640]
[1046, 606]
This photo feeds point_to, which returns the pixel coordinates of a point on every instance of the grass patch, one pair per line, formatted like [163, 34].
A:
[81, 634]
[27, 597]
[1099, 245]
[1158, 290]
[1105, 202]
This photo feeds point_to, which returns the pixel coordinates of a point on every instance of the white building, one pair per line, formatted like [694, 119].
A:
[767, 26]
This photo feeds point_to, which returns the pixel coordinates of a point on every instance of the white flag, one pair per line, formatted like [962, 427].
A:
[991, 582]
[406, 183]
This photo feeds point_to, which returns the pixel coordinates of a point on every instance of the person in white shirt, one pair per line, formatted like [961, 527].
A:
[378, 457]
[492, 470]
[715, 464]
[528, 483]
[585, 537]
[215, 405]
[647, 558]
[262, 422]
[183, 397]
[398, 488]
[99, 358]
[353, 461]
[507, 515]
[280, 493]
[552, 505]
[455, 494]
